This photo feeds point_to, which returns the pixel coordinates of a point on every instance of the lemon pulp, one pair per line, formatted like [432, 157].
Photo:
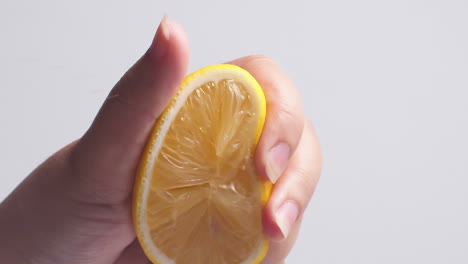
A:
[204, 201]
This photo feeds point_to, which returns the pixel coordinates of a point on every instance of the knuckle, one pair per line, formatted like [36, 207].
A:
[290, 116]
[310, 129]
[305, 179]
[314, 146]
[286, 111]
[259, 58]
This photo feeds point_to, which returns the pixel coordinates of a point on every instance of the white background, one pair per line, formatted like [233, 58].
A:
[385, 83]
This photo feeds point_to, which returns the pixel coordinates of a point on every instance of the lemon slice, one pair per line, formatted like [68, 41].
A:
[197, 196]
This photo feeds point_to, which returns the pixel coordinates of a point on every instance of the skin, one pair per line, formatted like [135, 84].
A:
[76, 206]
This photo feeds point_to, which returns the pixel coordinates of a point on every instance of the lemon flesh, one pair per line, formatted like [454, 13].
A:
[199, 199]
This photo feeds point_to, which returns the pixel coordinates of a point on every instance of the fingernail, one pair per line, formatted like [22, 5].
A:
[286, 216]
[164, 27]
[159, 45]
[277, 160]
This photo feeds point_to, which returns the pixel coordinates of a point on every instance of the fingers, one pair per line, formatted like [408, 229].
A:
[291, 194]
[288, 148]
[119, 132]
[285, 118]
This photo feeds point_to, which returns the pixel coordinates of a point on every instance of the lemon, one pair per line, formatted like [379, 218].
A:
[197, 197]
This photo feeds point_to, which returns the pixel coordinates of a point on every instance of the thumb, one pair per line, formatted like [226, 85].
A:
[106, 157]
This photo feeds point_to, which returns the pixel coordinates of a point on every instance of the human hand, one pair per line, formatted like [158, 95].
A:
[76, 206]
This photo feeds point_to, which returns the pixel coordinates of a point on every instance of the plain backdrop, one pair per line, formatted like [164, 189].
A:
[385, 83]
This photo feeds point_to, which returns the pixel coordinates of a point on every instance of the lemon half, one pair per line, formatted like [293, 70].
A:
[197, 197]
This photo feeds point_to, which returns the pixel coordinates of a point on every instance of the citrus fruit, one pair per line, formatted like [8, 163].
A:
[197, 197]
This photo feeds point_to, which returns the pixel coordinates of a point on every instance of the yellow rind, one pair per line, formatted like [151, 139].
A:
[266, 185]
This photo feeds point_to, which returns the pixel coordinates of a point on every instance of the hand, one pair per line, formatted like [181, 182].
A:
[76, 206]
